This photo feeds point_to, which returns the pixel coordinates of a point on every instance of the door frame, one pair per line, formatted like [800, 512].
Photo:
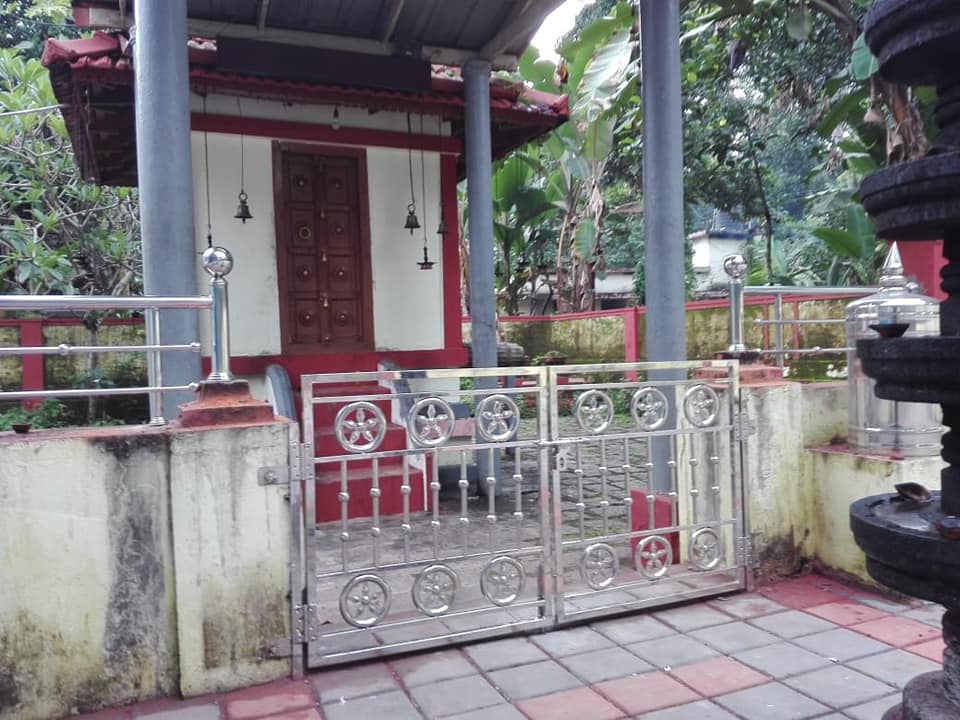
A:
[281, 231]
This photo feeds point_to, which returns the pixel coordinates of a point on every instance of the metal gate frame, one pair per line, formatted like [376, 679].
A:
[554, 597]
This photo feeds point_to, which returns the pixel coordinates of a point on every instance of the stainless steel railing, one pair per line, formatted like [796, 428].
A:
[736, 268]
[217, 262]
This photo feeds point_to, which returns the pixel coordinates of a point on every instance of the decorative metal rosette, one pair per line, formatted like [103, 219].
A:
[497, 418]
[649, 408]
[360, 427]
[653, 556]
[599, 565]
[593, 411]
[430, 422]
[701, 405]
[365, 601]
[704, 549]
[435, 589]
[502, 580]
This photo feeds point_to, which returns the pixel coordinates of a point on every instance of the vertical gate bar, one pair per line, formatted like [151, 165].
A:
[553, 542]
[344, 498]
[674, 482]
[297, 595]
[375, 501]
[435, 495]
[738, 446]
[581, 503]
[518, 484]
[308, 473]
[151, 321]
[405, 499]
[604, 500]
[491, 497]
[714, 476]
[694, 491]
[627, 483]
[463, 484]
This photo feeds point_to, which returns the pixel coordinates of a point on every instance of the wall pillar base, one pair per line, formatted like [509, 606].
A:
[224, 403]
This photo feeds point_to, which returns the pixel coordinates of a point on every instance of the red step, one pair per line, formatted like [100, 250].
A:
[359, 484]
[325, 442]
[326, 412]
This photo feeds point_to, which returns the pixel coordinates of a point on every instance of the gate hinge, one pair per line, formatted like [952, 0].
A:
[279, 648]
[745, 555]
[273, 475]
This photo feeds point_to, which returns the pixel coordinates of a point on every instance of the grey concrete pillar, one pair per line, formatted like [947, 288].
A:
[162, 108]
[663, 196]
[483, 309]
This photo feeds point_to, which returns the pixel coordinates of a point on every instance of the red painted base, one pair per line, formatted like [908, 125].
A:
[662, 517]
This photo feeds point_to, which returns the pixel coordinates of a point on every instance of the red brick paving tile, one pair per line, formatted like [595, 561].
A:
[570, 705]
[272, 699]
[798, 594]
[898, 631]
[353, 682]
[846, 613]
[719, 676]
[645, 693]
[931, 649]
[302, 714]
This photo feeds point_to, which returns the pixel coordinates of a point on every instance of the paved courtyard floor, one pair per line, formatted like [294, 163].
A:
[807, 647]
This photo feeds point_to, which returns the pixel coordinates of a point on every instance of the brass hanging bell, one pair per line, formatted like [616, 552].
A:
[442, 227]
[412, 223]
[243, 209]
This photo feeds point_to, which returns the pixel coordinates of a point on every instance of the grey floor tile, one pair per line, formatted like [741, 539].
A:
[526, 681]
[192, 712]
[748, 606]
[608, 664]
[781, 659]
[431, 667]
[896, 667]
[874, 709]
[497, 712]
[692, 617]
[700, 710]
[503, 653]
[394, 705]
[615, 599]
[673, 652]
[791, 624]
[841, 644]
[891, 606]
[733, 637]
[632, 628]
[839, 686]
[570, 642]
[353, 682]
[459, 695]
[929, 614]
[771, 701]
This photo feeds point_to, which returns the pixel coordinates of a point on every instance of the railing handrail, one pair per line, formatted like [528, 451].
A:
[811, 290]
[73, 303]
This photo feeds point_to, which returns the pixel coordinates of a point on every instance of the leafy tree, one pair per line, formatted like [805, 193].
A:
[26, 24]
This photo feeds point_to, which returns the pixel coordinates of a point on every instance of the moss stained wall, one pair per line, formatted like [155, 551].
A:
[9, 366]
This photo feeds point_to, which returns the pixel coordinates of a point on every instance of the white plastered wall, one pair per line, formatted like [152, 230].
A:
[408, 302]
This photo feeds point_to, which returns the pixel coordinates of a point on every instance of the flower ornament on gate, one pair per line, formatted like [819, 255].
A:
[498, 417]
[360, 426]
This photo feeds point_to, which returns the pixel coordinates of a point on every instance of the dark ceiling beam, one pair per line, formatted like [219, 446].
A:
[521, 23]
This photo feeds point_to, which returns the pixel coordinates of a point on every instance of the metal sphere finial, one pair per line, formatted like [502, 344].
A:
[735, 265]
[217, 261]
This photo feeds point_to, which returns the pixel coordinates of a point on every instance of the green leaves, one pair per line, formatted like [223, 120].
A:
[608, 77]
[863, 63]
[799, 22]
[856, 240]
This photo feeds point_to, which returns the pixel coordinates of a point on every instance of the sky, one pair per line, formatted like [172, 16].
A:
[556, 24]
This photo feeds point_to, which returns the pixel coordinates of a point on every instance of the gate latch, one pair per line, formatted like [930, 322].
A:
[273, 475]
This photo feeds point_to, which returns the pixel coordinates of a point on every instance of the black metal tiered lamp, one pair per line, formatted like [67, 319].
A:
[912, 539]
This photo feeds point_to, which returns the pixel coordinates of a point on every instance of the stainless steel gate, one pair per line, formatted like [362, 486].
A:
[602, 488]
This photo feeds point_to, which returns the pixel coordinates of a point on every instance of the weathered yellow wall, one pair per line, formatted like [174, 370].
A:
[138, 562]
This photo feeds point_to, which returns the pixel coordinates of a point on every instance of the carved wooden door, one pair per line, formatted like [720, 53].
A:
[324, 248]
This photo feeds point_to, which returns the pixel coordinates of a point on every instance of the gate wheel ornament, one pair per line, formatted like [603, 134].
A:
[365, 601]
[704, 549]
[649, 408]
[654, 556]
[599, 565]
[594, 411]
[434, 590]
[700, 405]
[360, 427]
[430, 422]
[497, 418]
[502, 580]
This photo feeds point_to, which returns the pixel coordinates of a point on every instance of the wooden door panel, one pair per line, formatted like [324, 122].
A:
[324, 246]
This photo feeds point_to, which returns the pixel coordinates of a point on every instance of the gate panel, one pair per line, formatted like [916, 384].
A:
[400, 554]
[646, 488]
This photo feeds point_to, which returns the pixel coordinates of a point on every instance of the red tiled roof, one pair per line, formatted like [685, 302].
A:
[93, 78]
